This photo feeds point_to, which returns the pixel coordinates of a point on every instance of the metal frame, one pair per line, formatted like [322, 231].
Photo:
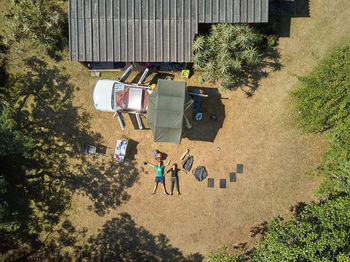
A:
[139, 85]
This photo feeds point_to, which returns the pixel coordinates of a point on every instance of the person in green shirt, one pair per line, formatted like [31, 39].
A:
[159, 176]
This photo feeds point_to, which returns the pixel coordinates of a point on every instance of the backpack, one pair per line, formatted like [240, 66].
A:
[187, 163]
[200, 173]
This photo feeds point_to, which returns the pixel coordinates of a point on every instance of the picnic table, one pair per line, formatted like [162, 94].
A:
[120, 150]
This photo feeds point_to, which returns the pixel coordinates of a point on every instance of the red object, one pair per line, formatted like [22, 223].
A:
[158, 157]
[116, 156]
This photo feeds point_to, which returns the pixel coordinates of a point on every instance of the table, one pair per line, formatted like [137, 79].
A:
[120, 150]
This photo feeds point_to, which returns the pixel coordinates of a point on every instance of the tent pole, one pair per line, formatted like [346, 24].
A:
[187, 122]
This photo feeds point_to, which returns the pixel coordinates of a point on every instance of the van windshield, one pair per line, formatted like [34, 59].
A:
[116, 88]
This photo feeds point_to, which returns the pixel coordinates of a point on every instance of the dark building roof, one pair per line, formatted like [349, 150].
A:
[149, 30]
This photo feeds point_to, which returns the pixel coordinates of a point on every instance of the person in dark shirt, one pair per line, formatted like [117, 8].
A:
[174, 179]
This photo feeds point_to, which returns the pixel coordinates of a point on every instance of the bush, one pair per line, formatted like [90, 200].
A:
[335, 166]
[41, 21]
[319, 233]
[221, 255]
[227, 54]
[323, 102]
[324, 99]
[3, 64]
[12, 141]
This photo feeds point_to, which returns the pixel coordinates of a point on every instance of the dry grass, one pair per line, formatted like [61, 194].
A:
[258, 132]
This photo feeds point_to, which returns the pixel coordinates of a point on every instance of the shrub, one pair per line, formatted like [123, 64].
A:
[319, 233]
[40, 21]
[323, 102]
[324, 98]
[227, 54]
[335, 166]
[221, 255]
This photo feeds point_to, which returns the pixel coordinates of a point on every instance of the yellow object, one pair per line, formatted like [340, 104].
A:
[153, 86]
[185, 73]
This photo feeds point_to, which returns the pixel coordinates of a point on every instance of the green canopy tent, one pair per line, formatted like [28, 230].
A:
[169, 106]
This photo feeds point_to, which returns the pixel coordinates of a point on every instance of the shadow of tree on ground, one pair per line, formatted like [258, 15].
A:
[248, 80]
[42, 185]
[120, 239]
[105, 183]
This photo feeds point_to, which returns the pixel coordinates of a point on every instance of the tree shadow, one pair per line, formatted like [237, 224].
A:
[122, 240]
[42, 184]
[280, 15]
[248, 80]
[105, 183]
[297, 209]
[243, 251]
[207, 129]
[260, 229]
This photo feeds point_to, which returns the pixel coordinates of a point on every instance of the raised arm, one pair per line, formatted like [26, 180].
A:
[148, 163]
[183, 170]
[168, 162]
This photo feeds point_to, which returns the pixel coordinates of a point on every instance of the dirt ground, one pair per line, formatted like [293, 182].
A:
[258, 132]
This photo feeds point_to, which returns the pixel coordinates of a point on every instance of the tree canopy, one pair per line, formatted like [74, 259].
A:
[12, 141]
[319, 233]
[227, 54]
[40, 21]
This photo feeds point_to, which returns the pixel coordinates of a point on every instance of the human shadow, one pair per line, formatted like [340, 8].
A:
[120, 239]
[206, 129]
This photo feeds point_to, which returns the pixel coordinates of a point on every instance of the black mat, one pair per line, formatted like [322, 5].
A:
[210, 182]
[233, 177]
[239, 168]
[222, 183]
